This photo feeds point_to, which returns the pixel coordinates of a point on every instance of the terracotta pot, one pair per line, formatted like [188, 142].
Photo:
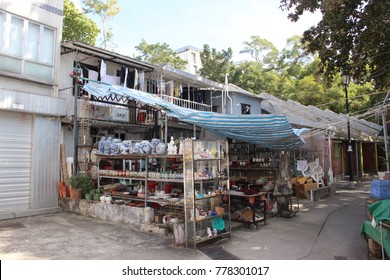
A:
[75, 193]
[63, 191]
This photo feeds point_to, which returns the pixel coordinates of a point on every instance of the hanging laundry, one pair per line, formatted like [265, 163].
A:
[141, 80]
[130, 78]
[135, 79]
[301, 165]
[176, 90]
[123, 75]
[169, 88]
[103, 69]
[93, 75]
[112, 80]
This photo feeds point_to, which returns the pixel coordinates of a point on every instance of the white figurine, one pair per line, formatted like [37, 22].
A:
[209, 232]
[172, 149]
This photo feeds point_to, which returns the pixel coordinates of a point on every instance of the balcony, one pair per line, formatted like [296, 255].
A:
[186, 103]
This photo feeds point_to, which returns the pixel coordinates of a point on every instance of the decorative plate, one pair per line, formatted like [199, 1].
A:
[94, 172]
[83, 155]
[93, 155]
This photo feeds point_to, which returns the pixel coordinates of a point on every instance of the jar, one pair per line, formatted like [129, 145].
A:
[108, 198]
[107, 146]
[101, 144]
[161, 148]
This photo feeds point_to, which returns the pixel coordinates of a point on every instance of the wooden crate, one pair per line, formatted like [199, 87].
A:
[374, 249]
[303, 190]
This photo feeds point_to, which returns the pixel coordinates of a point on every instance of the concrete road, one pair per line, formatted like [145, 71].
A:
[324, 230]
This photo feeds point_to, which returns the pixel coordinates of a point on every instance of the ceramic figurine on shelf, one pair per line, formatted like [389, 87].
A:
[172, 148]
[209, 232]
[181, 144]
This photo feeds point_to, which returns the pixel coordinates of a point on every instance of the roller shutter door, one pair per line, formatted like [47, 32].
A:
[15, 161]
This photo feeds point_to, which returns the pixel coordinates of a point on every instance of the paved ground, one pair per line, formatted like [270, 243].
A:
[325, 230]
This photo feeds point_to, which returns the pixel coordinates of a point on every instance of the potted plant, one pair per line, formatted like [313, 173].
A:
[96, 194]
[89, 196]
[80, 183]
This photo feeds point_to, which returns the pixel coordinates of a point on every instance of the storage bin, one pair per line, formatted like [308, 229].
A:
[380, 189]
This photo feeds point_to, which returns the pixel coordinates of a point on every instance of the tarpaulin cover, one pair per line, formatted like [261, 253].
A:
[270, 131]
[380, 211]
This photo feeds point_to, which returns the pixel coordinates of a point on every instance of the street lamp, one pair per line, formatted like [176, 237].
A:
[345, 78]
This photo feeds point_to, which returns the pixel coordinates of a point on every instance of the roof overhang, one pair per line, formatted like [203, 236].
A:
[107, 55]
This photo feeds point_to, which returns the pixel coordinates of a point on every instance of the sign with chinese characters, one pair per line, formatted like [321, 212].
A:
[110, 114]
[121, 115]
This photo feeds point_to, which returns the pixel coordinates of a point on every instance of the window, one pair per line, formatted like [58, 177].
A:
[245, 109]
[193, 57]
[32, 43]
[26, 48]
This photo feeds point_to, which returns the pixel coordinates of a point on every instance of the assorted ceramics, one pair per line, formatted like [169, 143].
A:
[145, 147]
[109, 146]
[161, 149]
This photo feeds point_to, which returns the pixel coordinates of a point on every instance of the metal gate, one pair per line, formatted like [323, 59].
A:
[15, 161]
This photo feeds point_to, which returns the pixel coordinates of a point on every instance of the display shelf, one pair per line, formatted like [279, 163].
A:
[141, 168]
[220, 235]
[207, 218]
[200, 218]
[249, 208]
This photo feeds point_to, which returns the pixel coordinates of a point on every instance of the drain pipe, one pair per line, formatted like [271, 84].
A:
[330, 170]
[227, 93]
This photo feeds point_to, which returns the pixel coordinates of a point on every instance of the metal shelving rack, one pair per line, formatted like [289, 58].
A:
[206, 179]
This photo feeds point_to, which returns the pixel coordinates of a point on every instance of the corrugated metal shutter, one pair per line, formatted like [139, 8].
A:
[15, 161]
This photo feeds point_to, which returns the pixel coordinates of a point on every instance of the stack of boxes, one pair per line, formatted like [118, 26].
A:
[303, 186]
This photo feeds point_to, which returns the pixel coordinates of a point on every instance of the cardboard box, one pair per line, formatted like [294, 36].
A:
[301, 180]
[374, 249]
[303, 190]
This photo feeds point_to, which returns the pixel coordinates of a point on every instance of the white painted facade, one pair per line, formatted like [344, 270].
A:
[30, 109]
[192, 56]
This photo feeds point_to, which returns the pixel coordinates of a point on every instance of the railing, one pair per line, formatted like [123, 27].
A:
[186, 103]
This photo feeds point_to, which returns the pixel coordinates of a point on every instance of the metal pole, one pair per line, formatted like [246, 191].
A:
[357, 162]
[385, 136]
[330, 171]
[349, 151]
[75, 128]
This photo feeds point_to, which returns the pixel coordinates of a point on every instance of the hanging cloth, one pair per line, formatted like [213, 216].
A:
[103, 70]
[125, 78]
[141, 80]
[136, 79]
[176, 90]
[301, 165]
[93, 75]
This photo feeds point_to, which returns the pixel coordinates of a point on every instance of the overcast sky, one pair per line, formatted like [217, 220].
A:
[219, 23]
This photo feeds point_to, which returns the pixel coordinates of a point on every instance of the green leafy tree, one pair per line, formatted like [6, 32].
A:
[159, 53]
[106, 10]
[216, 64]
[251, 76]
[262, 51]
[77, 26]
[352, 35]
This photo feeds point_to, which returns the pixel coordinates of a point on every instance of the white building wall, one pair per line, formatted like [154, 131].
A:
[192, 56]
[23, 95]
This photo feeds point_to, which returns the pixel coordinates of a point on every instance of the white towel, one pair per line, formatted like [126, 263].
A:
[301, 165]
[93, 75]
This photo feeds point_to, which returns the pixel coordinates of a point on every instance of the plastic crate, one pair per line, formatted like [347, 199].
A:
[380, 189]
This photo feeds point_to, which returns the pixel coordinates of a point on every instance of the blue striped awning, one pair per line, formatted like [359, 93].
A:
[270, 131]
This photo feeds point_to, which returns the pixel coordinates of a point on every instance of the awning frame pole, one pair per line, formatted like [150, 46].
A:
[385, 136]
